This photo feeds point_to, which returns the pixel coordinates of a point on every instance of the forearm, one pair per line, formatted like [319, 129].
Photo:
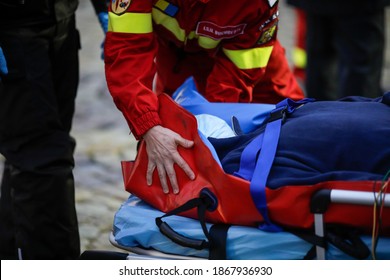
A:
[130, 71]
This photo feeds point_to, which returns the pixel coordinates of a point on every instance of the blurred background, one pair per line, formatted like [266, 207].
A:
[102, 135]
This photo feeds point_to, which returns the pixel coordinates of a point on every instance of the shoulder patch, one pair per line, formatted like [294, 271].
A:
[216, 32]
[267, 33]
[119, 6]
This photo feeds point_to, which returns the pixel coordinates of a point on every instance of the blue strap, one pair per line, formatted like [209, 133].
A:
[260, 174]
[257, 171]
[248, 158]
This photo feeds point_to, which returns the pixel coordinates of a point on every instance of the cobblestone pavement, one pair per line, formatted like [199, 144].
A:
[103, 137]
[103, 141]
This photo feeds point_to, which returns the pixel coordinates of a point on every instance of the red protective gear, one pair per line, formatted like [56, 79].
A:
[229, 47]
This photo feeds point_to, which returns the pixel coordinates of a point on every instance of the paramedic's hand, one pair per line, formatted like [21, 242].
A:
[161, 146]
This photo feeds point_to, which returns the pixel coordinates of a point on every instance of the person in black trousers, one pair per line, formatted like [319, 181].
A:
[345, 47]
[39, 73]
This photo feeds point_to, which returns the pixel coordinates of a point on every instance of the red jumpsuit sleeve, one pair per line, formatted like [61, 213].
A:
[130, 49]
[229, 80]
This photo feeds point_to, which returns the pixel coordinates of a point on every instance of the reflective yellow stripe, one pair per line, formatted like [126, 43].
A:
[299, 58]
[249, 58]
[207, 43]
[173, 26]
[192, 35]
[130, 23]
[169, 23]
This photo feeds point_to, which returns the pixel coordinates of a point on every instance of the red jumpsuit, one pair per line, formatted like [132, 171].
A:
[228, 46]
[299, 50]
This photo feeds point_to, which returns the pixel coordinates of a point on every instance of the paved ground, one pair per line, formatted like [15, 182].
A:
[103, 137]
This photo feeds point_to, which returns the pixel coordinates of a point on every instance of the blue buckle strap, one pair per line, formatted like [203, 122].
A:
[257, 171]
[263, 167]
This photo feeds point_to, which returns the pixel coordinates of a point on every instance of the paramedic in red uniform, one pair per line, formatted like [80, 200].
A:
[228, 46]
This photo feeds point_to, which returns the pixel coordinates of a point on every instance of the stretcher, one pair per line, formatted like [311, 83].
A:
[138, 227]
[136, 232]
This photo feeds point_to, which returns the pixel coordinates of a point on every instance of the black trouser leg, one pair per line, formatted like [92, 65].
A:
[46, 223]
[7, 228]
[36, 110]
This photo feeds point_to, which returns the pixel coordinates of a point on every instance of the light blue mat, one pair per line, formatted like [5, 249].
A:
[134, 225]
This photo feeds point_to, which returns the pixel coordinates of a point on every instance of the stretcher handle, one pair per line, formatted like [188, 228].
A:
[179, 238]
[205, 202]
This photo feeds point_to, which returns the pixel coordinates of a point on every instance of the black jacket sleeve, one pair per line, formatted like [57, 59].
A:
[100, 5]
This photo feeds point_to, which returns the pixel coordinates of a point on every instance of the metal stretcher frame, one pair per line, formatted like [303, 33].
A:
[323, 198]
[319, 204]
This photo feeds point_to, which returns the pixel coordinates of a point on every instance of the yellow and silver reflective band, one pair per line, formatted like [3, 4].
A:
[208, 43]
[173, 26]
[299, 57]
[249, 58]
[169, 23]
[138, 23]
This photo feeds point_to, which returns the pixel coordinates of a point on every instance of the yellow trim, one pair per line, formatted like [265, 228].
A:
[192, 35]
[173, 26]
[249, 58]
[130, 23]
[207, 43]
[299, 57]
[169, 23]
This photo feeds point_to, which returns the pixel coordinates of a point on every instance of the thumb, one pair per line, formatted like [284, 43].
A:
[184, 142]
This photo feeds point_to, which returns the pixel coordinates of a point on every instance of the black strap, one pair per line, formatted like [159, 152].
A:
[345, 239]
[348, 241]
[311, 254]
[177, 237]
[311, 238]
[218, 238]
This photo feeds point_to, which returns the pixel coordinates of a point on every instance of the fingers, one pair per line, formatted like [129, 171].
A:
[183, 165]
[172, 179]
[164, 171]
[163, 178]
[161, 174]
[161, 147]
[149, 173]
[180, 161]
[184, 142]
